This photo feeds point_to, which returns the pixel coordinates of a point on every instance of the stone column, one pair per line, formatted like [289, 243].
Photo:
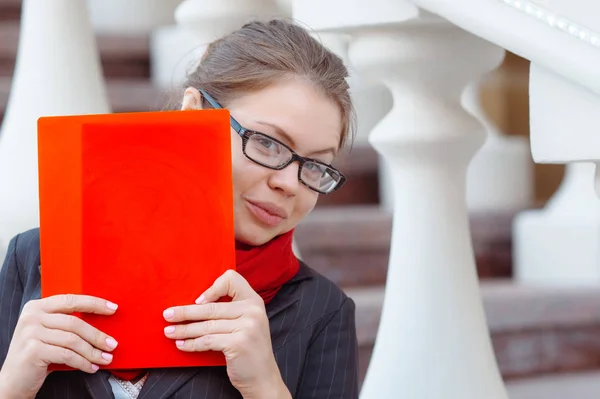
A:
[500, 176]
[432, 340]
[131, 16]
[176, 49]
[559, 244]
[57, 72]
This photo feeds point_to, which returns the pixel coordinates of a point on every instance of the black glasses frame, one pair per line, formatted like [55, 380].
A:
[245, 134]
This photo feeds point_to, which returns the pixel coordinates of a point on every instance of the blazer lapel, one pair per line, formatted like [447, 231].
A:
[286, 297]
[98, 386]
[162, 383]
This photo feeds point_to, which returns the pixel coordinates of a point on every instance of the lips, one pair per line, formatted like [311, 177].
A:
[267, 212]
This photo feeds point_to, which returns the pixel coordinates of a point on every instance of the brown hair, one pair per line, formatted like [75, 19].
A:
[261, 53]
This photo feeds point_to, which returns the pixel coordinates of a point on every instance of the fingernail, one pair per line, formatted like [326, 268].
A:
[200, 299]
[95, 368]
[107, 356]
[170, 329]
[112, 306]
[179, 343]
[169, 313]
[111, 343]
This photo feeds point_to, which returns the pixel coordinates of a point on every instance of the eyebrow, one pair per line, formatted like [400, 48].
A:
[291, 142]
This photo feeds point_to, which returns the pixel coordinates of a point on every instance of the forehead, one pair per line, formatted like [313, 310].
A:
[313, 121]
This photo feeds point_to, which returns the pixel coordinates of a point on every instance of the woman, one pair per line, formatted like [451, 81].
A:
[288, 332]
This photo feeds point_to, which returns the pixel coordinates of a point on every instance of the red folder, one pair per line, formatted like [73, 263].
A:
[137, 208]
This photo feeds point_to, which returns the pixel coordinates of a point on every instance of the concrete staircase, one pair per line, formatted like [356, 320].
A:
[547, 341]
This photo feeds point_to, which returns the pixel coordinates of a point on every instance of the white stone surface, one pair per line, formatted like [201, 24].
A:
[209, 20]
[500, 176]
[372, 101]
[428, 140]
[174, 53]
[57, 72]
[332, 15]
[564, 118]
[131, 16]
[583, 385]
[541, 40]
[559, 244]
[176, 49]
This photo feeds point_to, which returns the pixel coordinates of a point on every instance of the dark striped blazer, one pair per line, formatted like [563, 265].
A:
[312, 329]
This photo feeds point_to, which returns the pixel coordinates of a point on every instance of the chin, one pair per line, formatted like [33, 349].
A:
[254, 235]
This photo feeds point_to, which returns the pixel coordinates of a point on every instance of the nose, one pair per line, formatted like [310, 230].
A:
[285, 179]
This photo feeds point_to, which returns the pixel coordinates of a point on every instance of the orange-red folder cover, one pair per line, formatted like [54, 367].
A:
[137, 208]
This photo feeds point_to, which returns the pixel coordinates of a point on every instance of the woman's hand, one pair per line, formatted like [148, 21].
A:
[239, 329]
[47, 334]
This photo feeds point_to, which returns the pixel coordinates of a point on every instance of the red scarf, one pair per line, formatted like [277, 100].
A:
[266, 268]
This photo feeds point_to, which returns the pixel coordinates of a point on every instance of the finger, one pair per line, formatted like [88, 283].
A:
[207, 311]
[70, 303]
[59, 355]
[202, 328]
[231, 284]
[77, 326]
[75, 343]
[212, 342]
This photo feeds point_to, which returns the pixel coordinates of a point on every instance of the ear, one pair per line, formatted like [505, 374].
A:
[192, 99]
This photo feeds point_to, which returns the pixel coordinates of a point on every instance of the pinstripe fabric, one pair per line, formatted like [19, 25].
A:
[312, 330]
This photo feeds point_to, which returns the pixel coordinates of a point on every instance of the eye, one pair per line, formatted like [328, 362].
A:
[265, 142]
[313, 171]
[313, 167]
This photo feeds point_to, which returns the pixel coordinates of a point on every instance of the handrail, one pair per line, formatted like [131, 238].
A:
[531, 30]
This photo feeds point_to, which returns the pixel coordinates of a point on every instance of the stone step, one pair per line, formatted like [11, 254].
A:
[535, 330]
[123, 95]
[121, 56]
[10, 10]
[585, 385]
[351, 244]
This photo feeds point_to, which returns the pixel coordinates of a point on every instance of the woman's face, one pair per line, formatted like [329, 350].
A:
[272, 202]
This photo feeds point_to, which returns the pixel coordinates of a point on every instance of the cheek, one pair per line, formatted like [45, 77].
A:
[304, 204]
[246, 175]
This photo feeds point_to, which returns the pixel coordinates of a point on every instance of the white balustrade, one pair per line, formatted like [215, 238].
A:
[57, 72]
[558, 245]
[176, 49]
[174, 53]
[372, 101]
[432, 340]
[127, 17]
[500, 176]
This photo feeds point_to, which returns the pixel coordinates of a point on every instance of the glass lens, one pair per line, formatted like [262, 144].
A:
[319, 176]
[265, 150]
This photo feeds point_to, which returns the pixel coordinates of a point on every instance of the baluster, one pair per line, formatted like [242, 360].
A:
[176, 49]
[500, 176]
[57, 72]
[558, 245]
[372, 101]
[130, 16]
[433, 340]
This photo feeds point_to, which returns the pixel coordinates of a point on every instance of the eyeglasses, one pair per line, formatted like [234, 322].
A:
[273, 154]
